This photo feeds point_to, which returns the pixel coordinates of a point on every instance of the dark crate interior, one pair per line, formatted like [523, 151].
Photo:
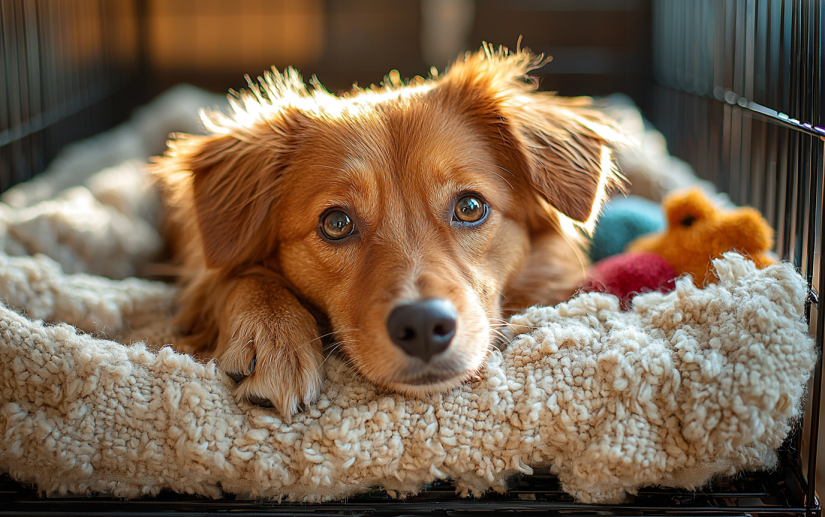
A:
[734, 85]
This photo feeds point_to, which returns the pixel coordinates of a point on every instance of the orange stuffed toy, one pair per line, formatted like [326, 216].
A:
[698, 232]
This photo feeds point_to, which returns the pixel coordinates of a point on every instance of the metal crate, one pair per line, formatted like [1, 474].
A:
[739, 96]
[69, 69]
[738, 93]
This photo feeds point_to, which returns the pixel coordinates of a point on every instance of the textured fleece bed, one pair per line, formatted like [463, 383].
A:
[688, 385]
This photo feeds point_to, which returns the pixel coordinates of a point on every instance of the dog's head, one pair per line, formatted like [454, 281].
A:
[403, 213]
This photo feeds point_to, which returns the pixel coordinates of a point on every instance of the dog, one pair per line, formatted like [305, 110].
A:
[407, 218]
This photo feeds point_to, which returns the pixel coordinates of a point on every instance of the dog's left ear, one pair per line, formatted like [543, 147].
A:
[563, 147]
[560, 146]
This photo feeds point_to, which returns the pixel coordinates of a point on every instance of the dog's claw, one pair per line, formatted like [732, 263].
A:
[240, 376]
[252, 364]
[475, 378]
[237, 377]
[259, 401]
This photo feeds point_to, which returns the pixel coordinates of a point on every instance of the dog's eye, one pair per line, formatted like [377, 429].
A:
[337, 225]
[470, 209]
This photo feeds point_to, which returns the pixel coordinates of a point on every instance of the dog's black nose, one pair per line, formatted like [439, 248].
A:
[423, 329]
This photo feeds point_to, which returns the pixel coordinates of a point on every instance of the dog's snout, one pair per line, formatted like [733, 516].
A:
[423, 329]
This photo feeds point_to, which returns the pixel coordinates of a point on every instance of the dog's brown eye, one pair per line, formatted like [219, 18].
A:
[470, 209]
[337, 225]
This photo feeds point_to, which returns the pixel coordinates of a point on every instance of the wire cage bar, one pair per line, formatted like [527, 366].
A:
[67, 70]
[738, 94]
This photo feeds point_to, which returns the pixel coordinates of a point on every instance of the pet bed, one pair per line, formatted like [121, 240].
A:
[689, 385]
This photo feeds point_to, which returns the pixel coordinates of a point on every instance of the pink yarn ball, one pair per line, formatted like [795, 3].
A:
[628, 274]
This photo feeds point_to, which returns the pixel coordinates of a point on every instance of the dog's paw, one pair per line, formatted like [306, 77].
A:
[283, 367]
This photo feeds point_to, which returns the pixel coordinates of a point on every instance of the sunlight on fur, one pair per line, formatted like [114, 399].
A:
[395, 163]
[608, 171]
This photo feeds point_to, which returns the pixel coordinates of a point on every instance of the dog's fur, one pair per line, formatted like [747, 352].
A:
[259, 279]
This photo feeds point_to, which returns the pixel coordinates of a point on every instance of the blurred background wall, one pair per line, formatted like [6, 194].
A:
[72, 68]
[598, 46]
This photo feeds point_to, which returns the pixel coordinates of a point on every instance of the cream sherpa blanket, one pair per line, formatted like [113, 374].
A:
[689, 385]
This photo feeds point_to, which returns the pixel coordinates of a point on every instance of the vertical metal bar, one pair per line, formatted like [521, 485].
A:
[63, 87]
[814, 93]
[793, 138]
[142, 70]
[719, 53]
[772, 137]
[746, 170]
[35, 81]
[794, 172]
[5, 101]
[728, 33]
[782, 74]
[757, 171]
[9, 35]
[782, 219]
[772, 62]
[707, 28]
[22, 170]
[761, 63]
[806, 205]
[49, 72]
[4, 63]
[782, 133]
[810, 498]
[677, 47]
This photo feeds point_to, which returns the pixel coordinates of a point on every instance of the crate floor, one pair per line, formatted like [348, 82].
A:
[759, 493]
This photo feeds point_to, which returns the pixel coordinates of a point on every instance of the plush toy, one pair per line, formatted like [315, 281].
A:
[629, 274]
[623, 220]
[699, 232]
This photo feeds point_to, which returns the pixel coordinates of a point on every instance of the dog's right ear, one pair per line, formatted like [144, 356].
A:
[228, 182]
[560, 147]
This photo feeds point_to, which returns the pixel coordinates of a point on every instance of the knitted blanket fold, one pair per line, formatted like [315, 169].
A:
[689, 385]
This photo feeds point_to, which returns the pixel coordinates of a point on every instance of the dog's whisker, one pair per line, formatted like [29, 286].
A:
[344, 363]
[351, 373]
[333, 347]
[321, 337]
[503, 324]
[499, 293]
[504, 169]
[331, 352]
[500, 335]
[503, 179]
[493, 317]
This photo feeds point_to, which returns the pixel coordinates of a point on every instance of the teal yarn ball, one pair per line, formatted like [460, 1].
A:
[622, 221]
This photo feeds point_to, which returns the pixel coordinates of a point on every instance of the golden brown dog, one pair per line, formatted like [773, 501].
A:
[409, 217]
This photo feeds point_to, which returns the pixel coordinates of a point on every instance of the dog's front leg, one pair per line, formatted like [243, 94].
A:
[266, 335]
